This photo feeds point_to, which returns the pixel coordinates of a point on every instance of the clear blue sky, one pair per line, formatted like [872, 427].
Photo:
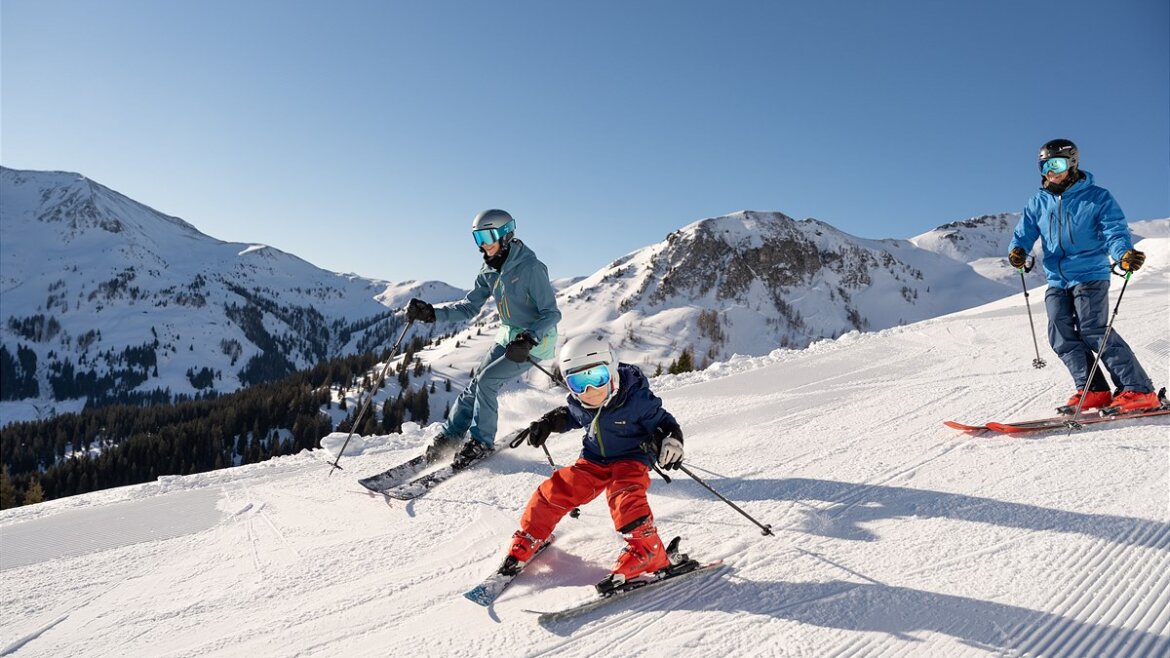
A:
[364, 136]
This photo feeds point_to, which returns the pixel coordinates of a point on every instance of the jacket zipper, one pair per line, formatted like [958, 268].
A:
[597, 433]
[1059, 237]
[501, 296]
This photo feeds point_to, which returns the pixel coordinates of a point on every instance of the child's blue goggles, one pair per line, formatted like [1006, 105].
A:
[596, 376]
[1054, 165]
[489, 235]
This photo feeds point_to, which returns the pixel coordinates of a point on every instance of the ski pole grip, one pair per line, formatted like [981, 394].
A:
[519, 438]
[646, 447]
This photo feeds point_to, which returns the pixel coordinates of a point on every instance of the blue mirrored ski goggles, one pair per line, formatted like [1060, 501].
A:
[596, 376]
[1054, 165]
[489, 235]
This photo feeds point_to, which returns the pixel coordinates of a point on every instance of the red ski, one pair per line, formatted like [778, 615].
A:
[1070, 423]
[1105, 415]
[1043, 422]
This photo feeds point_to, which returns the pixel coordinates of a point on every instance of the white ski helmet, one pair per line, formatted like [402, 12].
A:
[582, 353]
[493, 225]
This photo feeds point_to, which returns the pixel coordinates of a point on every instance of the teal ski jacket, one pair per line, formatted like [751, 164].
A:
[524, 298]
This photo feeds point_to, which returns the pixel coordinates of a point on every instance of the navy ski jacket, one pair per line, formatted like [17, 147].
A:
[627, 421]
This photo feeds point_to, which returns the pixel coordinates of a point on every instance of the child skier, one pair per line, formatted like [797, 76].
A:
[613, 401]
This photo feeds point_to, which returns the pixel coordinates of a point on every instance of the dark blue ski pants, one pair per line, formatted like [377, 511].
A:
[1076, 323]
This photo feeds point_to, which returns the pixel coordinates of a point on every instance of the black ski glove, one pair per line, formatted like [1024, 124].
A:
[520, 347]
[1133, 260]
[419, 310]
[1017, 257]
[538, 430]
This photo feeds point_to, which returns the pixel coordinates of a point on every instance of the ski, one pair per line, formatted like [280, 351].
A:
[427, 481]
[670, 574]
[395, 475]
[1063, 420]
[963, 427]
[1067, 423]
[490, 589]
[424, 483]
[985, 427]
[1103, 415]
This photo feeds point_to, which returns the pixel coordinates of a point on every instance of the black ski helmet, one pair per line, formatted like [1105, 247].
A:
[1061, 148]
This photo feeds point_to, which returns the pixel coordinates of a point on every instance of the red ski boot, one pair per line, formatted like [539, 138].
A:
[644, 553]
[1135, 401]
[1093, 400]
[523, 547]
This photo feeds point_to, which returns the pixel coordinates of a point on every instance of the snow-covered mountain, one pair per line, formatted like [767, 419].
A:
[748, 282]
[894, 536]
[981, 242]
[102, 295]
[971, 239]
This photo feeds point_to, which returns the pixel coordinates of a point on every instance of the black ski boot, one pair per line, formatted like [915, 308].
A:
[440, 446]
[471, 452]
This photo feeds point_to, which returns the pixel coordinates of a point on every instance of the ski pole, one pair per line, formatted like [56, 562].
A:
[1037, 362]
[1072, 422]
[369, 398]
[766, 528]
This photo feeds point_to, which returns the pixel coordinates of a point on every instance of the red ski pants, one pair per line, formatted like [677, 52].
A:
[625, 483]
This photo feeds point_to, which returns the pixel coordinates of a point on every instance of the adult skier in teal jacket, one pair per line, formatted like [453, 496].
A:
[515, 278]
[1080, 226]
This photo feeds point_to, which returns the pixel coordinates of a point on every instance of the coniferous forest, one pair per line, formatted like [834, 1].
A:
[119, 445]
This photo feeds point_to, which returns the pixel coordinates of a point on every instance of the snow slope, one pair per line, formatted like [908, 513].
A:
[894, 535]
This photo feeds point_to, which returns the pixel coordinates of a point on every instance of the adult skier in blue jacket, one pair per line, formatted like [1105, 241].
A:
[519, 283]
[1080, 226]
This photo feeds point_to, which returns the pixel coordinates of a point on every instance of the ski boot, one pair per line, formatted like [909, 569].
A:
[677, 563]
[1093, 400]
[439, 447]
[644, 553]
[471, 452]
[523, 547]
[1131, 401]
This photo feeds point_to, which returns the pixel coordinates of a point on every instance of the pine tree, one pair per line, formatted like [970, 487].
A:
[7, 489]
[421, 410]
[684, 363]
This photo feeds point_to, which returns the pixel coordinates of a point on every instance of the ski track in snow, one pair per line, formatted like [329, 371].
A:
[894, 536]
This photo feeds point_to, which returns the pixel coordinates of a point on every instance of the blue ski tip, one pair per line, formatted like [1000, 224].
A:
[480, 596]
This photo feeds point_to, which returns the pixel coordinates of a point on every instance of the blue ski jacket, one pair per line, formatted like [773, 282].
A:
[629, 419]
[1078, 231]
[524, 298]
